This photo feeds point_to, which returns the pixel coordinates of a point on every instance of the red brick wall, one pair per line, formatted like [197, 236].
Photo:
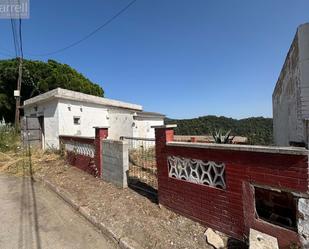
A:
[82, 162]
[85, 163]
[231, 210]
[92, 165]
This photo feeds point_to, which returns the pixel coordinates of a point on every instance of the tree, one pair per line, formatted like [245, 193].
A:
[39, 77]
[258, 130]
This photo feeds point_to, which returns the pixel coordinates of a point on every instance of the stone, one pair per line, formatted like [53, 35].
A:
[214, 239]
[259, 240]
[303, 221]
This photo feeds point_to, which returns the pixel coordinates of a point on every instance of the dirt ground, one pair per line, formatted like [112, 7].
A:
[128, 212]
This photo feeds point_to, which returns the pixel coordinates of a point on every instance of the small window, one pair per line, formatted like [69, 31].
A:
[276, 207]
[76, 120]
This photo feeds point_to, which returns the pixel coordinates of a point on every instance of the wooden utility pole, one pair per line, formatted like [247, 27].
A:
[18, 93]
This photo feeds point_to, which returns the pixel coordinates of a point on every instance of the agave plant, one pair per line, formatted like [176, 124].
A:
[220, 138]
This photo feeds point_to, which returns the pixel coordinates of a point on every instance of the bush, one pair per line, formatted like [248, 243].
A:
[9, 138]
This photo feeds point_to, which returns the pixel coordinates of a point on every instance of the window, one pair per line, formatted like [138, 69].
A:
[276, 207]
[76, 120]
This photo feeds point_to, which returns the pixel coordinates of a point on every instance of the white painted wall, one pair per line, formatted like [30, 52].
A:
[51, 125]
[142, 127]
[90, 115]
[59, 120]
[120, 123]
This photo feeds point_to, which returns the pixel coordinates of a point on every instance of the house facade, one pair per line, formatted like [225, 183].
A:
[291, 94]
[65, 112]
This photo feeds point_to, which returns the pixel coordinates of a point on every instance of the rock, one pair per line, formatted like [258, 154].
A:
[259, 240]
[214, 239]
[303, 221]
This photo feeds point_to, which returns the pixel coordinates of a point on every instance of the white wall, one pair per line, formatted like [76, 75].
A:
[142, 127]
[50, 112]
[120, 123]
[59, 114]
[90, 115]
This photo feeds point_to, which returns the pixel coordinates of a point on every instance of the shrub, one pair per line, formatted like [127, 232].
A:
[9, 138]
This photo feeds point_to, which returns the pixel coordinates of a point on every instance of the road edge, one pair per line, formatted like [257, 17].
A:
[122, 242]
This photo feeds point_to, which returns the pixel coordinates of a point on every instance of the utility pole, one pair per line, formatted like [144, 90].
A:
[17, 93]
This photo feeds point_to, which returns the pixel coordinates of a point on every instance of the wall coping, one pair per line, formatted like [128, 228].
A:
[72, 136]
[164, 126]
[248, 148]
[112, 141]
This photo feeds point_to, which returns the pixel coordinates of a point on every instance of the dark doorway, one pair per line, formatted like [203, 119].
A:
[276, 207]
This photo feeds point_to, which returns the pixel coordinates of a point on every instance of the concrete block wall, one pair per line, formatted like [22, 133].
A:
[115, 162]
[232, 209]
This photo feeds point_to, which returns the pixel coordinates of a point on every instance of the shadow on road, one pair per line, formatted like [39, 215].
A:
[29, 234]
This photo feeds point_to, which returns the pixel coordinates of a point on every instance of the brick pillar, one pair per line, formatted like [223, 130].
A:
[100, 133]
[164, 134]
[193, 139]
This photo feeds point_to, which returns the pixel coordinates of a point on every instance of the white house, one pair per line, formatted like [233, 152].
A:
[291, 94]
[65, 112]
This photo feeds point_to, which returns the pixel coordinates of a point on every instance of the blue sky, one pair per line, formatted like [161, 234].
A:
[181, 58]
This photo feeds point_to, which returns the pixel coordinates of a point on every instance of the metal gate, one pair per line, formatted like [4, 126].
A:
[32, 130]
[142, 164]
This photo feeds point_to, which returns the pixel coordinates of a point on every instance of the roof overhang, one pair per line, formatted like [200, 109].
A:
[60, 93]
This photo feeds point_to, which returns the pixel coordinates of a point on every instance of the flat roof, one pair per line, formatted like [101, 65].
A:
[60, 93]
[144, 114]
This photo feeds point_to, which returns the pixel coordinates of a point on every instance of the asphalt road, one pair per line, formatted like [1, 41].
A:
[33, 217]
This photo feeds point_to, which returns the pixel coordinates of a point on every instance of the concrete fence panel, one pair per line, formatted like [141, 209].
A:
[115, 162]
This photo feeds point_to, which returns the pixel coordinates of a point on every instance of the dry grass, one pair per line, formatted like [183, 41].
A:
[24, 163]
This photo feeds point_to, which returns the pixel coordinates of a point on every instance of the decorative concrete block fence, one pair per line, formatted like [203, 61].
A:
[99, 156]
[85, 152]
[233, 188]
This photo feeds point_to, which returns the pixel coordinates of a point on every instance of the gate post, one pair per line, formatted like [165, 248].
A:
[101, 132]
[164, 134]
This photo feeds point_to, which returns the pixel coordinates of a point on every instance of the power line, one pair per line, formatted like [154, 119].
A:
[21, 40]
[89, 34]
[20, 36]
[13, 24]
[18, 45]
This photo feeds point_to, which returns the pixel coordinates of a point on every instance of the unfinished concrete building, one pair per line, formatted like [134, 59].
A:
[291, 94]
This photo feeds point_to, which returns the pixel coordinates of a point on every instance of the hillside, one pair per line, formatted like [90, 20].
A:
[39, 77]
[258, 130]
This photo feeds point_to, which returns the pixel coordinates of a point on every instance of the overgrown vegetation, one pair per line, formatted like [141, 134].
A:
[39, 77]
[258, 130]
[9, 138]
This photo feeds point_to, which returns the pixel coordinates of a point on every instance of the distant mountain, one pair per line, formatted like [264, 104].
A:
[258, 130]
